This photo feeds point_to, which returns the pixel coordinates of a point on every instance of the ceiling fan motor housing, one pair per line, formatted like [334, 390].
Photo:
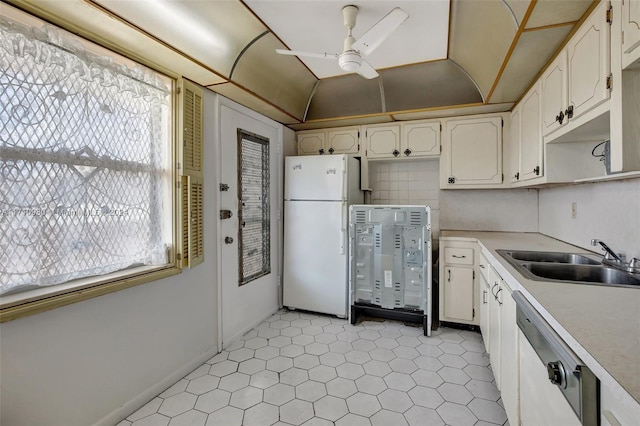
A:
[350, 60]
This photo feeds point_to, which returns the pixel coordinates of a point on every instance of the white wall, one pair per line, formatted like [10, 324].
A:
[100, 359]
[417, 182]
[609, 211]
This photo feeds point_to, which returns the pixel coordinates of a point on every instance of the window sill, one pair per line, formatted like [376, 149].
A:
[20, 305]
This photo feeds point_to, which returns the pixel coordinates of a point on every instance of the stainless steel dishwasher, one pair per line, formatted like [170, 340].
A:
[571, 395]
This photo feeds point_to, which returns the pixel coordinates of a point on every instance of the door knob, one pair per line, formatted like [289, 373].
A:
[228, 240]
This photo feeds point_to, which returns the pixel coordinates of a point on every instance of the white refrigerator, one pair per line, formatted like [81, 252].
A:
[318, 190]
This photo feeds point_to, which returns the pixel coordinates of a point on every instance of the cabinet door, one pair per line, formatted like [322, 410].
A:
[485, 329]
[589, 63]
[554, 94]
[383, 141]
[420, 139]
[343, 141]
[458, 293]
[311, 143]
[494, 324]
[474, 151]
[631, 30]
[514, 159]
[531, 140]
[509, 367]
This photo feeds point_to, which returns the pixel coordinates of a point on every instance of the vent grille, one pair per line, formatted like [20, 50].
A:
[378, 241]
[398, 241]
[415, 218]
[361, 216]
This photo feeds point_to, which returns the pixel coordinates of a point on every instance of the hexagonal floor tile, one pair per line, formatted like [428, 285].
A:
[233, 382]
[450, 360]
[252, 366]
[406, 352]
[203, 384]
[322, 373]
[325, 338]
[399, 381]
[371, 384]
[296, 412]
[369, 335]
[212, 401]
[147, 409]
[316, 348]
[363, 404]
[386, 418]
[453, 375]
[192, 418]
[256, 343]
[260, 415]
[488, 411]
[291, 331]
[302, 340]
[280, 341]
[292, 351]
[427, 378]
[241, 354]
[357, 357]
[223, 368]
[200, 371]
[409, 341]
[479, 372]
[294, 376]
[476, 358]
[401, 365]
[348, 336]
[318, 421]
[279, 364]
[381, 354]
[246, 397]
[425, 397]
[395, 400]
[350, 371]
[473, 346]
[312, 330]
[332, 359]
[455, 414]
[306, 361]
[300, 323]
[429, 350]
[178, 387]
[279, 394]
[280, 324]
[484, 390]
[455, 393]
[353, 420]
[330, 407]
[153, 420]
[310, 391]
[228, 415]
[377, 368]
[451, 348]
[363, 345]
[177, 404]
[267, 353]
[268, 333]
[419, 416]
[428, 363]
[340, 347]
[341, 387]
[263, 379]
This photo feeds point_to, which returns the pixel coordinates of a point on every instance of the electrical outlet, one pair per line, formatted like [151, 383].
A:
[574, 210]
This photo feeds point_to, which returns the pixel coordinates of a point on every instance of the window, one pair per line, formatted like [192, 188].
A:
[86, 160]
[254, 248]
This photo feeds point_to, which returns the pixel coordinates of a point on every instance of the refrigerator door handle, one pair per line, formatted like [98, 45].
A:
[343, 215]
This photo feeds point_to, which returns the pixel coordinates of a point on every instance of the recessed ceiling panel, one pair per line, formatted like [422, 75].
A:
[212, 32]
[283, 80]
[317, 26]
[533, 51]
[481, 34]
[518, 8]
[346, 96]
[550, 12]
[427, 85]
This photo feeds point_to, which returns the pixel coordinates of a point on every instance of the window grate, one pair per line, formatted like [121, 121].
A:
[254, 212]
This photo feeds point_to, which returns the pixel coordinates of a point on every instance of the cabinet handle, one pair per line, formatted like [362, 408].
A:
[560, 117]
[484, 297]
[395, 152]
[482, 266]
[569, 112]
[459, 257]
[449, 278]
[494, 294]
[497, 293]
[321, 151]
[407, 152]
[517, 176]
[331, 150]
[536, 170]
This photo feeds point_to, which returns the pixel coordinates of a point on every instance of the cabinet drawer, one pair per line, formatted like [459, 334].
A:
[458, 256]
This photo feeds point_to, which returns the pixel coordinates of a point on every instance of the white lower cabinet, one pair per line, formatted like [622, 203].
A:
[457, 286]
[509, 367]
[485, 291]
[617, 409]
[495, 282]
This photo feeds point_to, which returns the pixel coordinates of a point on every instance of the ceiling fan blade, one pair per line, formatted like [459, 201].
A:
[366, 70]
[380, 31]
[307, 54]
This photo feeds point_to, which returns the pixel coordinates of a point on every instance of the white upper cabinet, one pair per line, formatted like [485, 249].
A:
[630, 32]
[472, 153]
[531, 139]
[554, 94]
[420, 139]
[589, 64]
[344, 140]
[514, 176]
[383, 141]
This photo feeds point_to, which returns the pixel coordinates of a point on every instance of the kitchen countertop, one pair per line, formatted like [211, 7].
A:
[600, 323]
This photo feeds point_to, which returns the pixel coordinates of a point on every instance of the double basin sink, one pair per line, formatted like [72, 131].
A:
[568, 268]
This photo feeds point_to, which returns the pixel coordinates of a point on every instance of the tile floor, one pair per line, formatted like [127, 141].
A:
[305, 369]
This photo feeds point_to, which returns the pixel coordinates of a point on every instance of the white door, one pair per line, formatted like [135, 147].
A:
[315, 178]
[244, 305]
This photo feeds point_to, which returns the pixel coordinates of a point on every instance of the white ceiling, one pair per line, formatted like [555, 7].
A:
[317, 26]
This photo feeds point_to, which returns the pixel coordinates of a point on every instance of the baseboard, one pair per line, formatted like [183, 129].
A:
[134, 404]
[228, 345]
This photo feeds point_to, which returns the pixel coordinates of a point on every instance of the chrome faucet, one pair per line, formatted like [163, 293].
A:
[610, 254]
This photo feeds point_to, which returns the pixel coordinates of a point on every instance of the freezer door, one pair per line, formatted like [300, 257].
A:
[315, 256]
[315, 177]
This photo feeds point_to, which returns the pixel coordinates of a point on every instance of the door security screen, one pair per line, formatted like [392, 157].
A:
[254, 232]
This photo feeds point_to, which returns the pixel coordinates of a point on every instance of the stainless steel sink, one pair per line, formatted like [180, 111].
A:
[568, 268]
[553, 257]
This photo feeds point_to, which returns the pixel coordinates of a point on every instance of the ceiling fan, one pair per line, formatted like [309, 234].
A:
[351, 58]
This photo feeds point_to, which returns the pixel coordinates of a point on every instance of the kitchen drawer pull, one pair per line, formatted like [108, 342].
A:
[497, 293]
[459, 257]
[449, 279]
[482, 266]
[494, 294]
[484, 297]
